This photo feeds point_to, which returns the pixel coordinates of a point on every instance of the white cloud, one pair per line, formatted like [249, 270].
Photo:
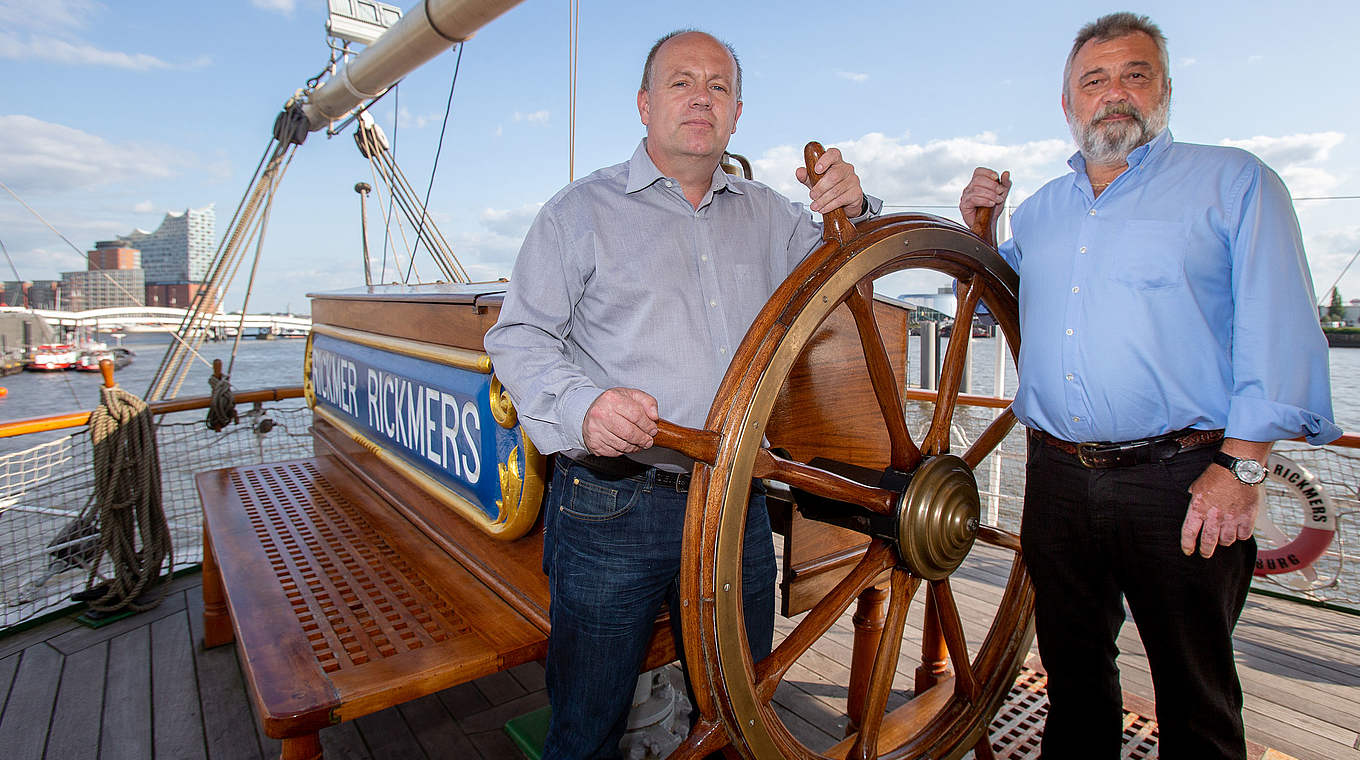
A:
[1293, 158]
[537, 116]
[47, 15]
[45, 48]
[510, 222]
[281, 6]
[406, 119]
[853, 76]
[144, 207]
[53, 30]
[934, 173]
[1255, 58]
[1186, 63]
[45, 157]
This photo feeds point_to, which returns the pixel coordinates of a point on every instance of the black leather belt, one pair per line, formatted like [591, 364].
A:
[623, 468]
[1103, 455]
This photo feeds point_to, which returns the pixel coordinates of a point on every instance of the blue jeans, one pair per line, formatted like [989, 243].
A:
[1093, 538]
[611, 551]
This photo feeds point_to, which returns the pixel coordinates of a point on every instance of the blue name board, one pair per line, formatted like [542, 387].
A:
[435, 417]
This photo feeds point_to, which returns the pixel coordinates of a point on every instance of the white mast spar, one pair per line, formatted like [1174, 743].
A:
[424, 32]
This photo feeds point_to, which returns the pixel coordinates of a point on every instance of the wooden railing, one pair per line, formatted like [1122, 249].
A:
[80, 419]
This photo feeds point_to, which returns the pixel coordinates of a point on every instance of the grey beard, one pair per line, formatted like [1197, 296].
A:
[1113, 142]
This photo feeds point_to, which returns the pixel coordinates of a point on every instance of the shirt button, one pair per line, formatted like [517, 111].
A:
[722, 349]
[668, 184]
[1093, 212]
[714, 304]
[1076, 419]
[1076, 289]
[1069, 331]
[1069, 375]
[1083, 249]
[704, 257]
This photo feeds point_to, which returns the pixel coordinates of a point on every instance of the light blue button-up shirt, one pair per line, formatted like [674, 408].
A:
[1179, 298]
[622, 283]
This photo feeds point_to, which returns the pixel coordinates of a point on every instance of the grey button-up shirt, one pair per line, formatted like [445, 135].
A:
[622, 283]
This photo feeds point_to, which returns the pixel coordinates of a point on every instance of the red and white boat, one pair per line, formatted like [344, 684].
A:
[52, 357]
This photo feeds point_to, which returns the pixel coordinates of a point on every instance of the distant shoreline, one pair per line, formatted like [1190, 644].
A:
[1342, 337]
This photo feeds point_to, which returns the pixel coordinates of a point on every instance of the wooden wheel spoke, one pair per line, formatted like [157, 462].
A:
[770, 671]
[990, 438]
[705, 738]
[905, 454]
[700, 445]
[817, 481]
[904, 585]
[990, 534]
[952, 627]
[951, 373]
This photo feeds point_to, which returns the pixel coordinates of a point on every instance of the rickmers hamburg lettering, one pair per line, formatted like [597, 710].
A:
[423, 419]
[435, 417]
[1316, 514]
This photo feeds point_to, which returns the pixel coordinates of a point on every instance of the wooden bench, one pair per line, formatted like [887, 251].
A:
[347, 590]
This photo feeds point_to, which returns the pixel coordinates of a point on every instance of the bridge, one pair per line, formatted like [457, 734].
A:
[138, 319]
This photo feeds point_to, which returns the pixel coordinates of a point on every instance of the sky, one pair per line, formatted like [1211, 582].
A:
[114, 113]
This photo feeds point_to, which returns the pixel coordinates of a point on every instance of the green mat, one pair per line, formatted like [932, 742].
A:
[529, 730]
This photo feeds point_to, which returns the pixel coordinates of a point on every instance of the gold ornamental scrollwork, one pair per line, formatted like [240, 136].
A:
[308, 391]
[502, 408]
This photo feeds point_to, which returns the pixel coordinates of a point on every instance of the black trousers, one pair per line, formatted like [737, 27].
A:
[1091, 539]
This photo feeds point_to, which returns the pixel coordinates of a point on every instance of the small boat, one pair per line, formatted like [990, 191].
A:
[11, 362]
[89, 360]
[53, 357]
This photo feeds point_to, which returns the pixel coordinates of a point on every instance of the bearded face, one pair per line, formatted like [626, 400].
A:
[1108, 139]
[1117, 96]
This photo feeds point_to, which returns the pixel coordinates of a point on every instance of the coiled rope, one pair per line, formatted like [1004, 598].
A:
[127, 499]
[222, 408]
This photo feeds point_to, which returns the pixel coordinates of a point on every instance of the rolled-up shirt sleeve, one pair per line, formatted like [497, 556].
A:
[1281, 385]
[528, 344]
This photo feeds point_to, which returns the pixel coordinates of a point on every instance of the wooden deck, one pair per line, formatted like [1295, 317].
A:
[144, 688]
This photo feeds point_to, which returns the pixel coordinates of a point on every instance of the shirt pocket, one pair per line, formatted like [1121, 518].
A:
[1150, 254]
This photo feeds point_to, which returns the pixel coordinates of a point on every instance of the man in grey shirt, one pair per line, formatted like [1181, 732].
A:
[632, 289]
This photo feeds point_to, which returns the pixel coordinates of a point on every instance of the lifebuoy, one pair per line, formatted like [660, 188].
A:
[1319, 519]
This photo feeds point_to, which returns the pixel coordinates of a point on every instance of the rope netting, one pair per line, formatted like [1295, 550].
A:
[44, 488]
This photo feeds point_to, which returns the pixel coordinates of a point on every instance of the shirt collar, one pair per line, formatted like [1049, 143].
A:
[1150, 149]
[642, 173]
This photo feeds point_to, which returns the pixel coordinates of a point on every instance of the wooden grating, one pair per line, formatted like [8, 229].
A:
[355, 596]
[1018, 726]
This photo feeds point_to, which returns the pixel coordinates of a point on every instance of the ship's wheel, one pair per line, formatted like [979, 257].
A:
[920, 513]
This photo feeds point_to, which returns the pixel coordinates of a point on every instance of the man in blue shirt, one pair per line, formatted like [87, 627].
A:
[1165, 305]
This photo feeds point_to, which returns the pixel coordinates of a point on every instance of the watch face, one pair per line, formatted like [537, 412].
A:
[1250, 471]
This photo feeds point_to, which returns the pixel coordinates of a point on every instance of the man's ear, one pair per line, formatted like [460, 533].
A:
[644, 107]
[736, 117]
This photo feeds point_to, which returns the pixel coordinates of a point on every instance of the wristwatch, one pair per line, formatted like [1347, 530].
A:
[1248, 471]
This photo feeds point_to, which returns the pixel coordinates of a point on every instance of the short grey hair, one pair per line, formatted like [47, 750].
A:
[651, 58]
[1111, 27]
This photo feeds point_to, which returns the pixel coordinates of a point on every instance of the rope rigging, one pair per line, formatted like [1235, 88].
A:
[373, 145]
[247, 227]
[127, 504]
[438, 151]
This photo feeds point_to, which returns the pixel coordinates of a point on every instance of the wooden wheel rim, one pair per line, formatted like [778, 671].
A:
[711, 570]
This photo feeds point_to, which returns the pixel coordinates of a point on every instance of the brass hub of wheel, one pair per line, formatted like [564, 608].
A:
[937, 519]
